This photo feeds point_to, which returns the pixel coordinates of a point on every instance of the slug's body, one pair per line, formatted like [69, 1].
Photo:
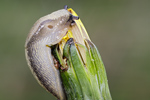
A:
[47, 31]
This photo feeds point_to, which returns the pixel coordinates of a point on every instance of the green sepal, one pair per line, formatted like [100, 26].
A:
[100, 70]
[80, 71]
[70, 76]
[64, 78]
[92, 74]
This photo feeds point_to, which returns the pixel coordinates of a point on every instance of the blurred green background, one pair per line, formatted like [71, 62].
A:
[119, 28]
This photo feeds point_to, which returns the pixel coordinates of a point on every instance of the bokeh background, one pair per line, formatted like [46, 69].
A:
[119, 28]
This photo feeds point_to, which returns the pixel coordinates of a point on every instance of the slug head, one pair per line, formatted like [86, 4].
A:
[51, 28]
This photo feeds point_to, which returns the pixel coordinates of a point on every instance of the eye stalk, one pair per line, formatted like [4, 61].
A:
[66, 7]
[72, 18]
[75, 17]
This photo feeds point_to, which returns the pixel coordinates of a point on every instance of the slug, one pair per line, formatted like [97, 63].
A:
[47, 31]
